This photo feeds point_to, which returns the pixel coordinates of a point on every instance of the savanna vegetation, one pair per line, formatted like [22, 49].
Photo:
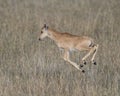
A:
[29, 67]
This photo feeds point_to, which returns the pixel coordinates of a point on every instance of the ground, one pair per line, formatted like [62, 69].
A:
[32, 68]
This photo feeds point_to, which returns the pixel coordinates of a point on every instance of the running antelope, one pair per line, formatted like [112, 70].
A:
[70, 42]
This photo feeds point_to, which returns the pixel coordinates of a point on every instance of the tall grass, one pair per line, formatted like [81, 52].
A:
[32, 68]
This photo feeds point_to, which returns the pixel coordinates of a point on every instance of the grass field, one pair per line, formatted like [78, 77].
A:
[32, 68]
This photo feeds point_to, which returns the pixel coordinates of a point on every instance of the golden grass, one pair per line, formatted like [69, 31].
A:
[32, 68]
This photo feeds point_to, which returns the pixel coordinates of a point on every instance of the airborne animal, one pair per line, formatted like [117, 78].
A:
[70, 42]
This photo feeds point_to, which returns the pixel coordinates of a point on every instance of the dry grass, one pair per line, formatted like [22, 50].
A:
[32, 68]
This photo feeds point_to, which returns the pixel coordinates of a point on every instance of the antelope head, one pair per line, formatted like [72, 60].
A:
[44, 32]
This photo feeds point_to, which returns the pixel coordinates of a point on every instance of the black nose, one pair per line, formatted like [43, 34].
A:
[39, 39]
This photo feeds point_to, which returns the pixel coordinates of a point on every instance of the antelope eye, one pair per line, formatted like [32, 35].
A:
[41, 31]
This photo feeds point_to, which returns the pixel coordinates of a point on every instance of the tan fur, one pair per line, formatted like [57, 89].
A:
[69, 42]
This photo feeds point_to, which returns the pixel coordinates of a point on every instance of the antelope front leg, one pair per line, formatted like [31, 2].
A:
[66, 58]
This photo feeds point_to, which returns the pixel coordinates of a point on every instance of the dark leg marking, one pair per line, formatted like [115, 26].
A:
[81, 65]
[94, 62]
[84, 62]
[83, 71]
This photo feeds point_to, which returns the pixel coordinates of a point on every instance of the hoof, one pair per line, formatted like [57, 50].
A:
[83, 71]
[84, 63]
[81, 66]
[94, 63]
